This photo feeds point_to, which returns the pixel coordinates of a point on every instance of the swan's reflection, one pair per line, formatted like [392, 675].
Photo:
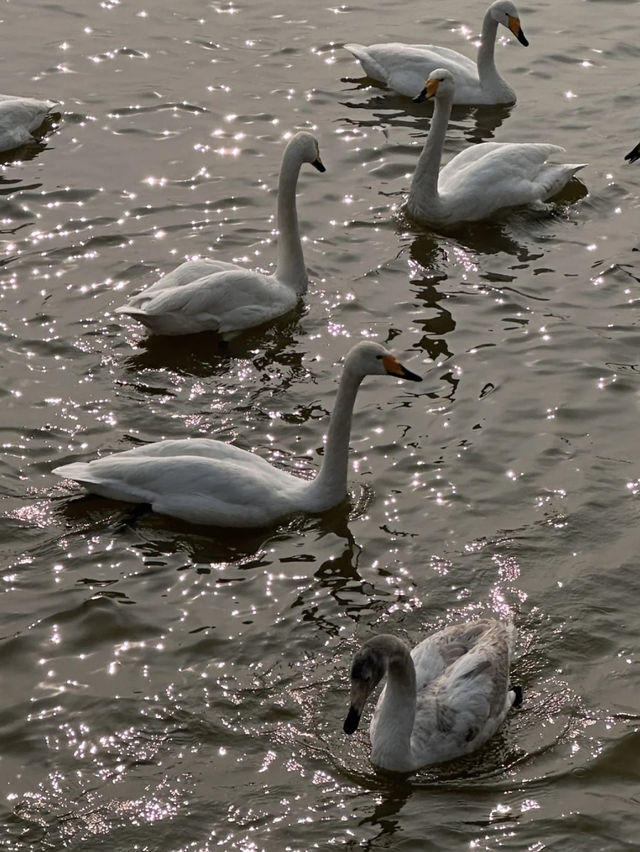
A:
[204, 354]
[392, 110]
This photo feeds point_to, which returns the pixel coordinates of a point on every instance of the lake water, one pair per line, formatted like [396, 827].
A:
[168, 687]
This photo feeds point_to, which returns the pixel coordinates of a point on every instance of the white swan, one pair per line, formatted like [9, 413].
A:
[634, 154]
[205, 481]
[482, 179]
[405, 67]
[442, 700]
[19, 117]
[211, 295]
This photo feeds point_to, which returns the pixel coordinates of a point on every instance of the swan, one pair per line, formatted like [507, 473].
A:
[482, 179]
[212, 295]
[205, 481]
[19, 117]
[441, 700]
[405, 67]
[634, 154]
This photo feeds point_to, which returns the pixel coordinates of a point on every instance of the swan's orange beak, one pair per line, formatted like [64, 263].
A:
[395, 368]
[516, 29]
[430, 88]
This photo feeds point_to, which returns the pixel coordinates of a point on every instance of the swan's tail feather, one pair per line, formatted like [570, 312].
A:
[556, 178]
[370, 66]
[130, 311]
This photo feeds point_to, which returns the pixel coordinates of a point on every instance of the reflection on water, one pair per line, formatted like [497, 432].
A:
[171, 687]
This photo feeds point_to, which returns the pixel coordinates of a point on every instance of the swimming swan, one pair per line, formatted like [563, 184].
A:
[212, 295]
[634, 154]
[405, 67]
[205, 481]
[19, 117]
[482, 179]
[442, 700]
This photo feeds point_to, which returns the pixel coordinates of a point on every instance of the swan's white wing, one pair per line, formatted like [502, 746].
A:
[226, 301]
[493, 175]
[18, 118]
[201, 481]
[405, 67]
[186, 273]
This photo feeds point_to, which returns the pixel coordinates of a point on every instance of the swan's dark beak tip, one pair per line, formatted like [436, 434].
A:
[522, 39]
[410, 377]
[633, 155]
[421, 97]
[352, 721]
[317, 164]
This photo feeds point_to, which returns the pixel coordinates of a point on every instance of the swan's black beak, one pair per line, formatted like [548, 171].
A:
[634, 154]
[352, 721]
[409, 376]
[317, 164]
[421, 98]
[516, 29]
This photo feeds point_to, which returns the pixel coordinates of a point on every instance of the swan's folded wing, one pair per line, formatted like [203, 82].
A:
[219, 490]
[504, 171]
[405, 67]
[213, 299]
[187, 273]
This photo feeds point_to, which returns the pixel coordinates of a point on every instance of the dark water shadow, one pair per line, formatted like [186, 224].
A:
[161, 535]
[390, 108]
[207, 353]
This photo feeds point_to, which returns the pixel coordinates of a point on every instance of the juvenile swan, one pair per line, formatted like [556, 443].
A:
[211, 295]
[205, 481]
[482, 179]
[405, 67]
[442, 700]
[19, 117]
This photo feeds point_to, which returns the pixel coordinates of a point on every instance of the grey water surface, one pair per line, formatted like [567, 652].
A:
[167, 687]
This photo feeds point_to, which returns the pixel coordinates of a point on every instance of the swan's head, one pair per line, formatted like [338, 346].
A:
[367, 670]
[371, 359]
[305, 145]
[440, 84]
[506, 13]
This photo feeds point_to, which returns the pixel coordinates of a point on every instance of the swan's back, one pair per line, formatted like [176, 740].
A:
[405, 67]
[19, 117]
[199, 480]
[463, 705]
[493, 175]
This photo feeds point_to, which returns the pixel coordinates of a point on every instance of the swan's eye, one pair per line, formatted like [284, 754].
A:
[379, 357]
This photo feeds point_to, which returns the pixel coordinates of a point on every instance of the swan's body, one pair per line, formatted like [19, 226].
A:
[634, 154]
[405, 67]
[482, 179]
[209, 482]
[212, 295]
[441, 700]
[19, 117]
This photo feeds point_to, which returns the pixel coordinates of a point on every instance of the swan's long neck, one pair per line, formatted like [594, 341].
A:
[290, 269]
[330, 485]
[490, 79]
[423, 194]
[396, 713]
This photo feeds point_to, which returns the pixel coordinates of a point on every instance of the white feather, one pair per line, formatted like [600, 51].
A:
[405, 67]
[212, 295]
[209, 482]
[19, 117]
[483, 179]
